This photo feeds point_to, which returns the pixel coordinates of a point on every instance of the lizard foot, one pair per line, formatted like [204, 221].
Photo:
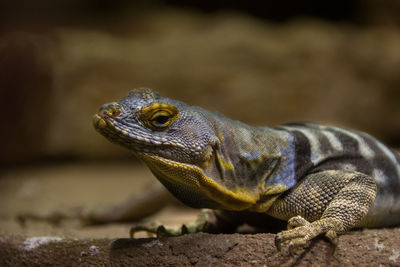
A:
[202, 224]
[158, 230]
[300, 232]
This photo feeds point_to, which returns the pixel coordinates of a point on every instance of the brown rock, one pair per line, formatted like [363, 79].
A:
[361, 248]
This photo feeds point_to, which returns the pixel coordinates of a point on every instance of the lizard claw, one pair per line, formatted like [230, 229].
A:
[161, 231]
[278, 241]
[184, 229]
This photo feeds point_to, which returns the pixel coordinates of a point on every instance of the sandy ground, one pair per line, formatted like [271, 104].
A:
[64, 187]
[68, 187]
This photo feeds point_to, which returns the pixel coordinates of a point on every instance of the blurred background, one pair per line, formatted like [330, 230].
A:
[261, 62]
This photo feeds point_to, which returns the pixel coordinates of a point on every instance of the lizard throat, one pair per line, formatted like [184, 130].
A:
[193, 179]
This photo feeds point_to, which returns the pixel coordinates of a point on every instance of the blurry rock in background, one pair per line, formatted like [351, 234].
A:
[265, 64]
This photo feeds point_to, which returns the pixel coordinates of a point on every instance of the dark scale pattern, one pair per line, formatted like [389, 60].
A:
[303, 162]
[303, 155]
[325, 145]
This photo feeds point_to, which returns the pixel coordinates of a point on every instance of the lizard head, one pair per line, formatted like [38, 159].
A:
[175, 140]
[151, 125]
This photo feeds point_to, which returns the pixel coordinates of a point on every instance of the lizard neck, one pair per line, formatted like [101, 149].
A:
[249, 160]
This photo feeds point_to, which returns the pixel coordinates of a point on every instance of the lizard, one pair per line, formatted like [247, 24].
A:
[321, 180]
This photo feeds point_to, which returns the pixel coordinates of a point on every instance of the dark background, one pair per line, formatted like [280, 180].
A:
[262, 62]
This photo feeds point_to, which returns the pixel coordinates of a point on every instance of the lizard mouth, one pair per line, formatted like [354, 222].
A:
[129, 136]
[116, 133]
[99, 122]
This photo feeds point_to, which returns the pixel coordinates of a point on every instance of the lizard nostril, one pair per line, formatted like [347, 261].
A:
[111, 110]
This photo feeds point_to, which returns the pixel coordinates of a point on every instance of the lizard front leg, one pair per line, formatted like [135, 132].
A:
[328, 202]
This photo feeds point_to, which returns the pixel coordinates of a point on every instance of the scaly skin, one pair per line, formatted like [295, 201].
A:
[322, 180]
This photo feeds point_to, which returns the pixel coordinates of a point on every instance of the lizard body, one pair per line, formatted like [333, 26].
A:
[322, 180]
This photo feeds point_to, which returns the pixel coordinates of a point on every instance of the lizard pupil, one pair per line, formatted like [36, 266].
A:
[161, 119]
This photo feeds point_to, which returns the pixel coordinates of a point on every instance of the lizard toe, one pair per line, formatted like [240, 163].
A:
[332, 237]
[299, 236]
[151, 228]
[296, 222]
[296, 239]
[289, 235]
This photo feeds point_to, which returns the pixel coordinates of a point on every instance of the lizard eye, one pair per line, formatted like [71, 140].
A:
[160, 119]
[158, 116]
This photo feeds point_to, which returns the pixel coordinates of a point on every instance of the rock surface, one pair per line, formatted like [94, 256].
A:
[366, 248]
